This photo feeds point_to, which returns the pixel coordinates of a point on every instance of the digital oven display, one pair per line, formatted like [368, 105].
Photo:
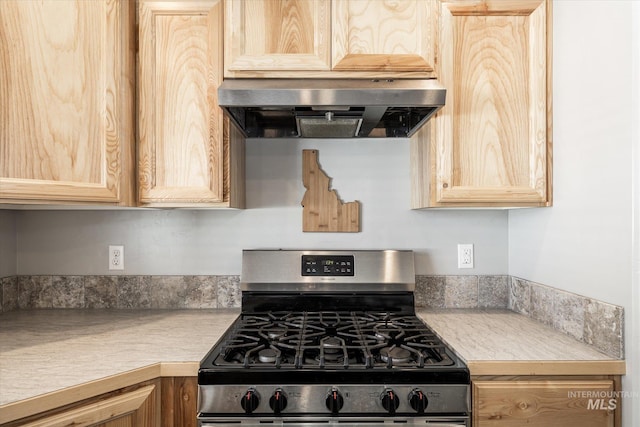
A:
[328, 265]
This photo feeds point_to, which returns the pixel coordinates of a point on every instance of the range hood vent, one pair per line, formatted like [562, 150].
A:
[330, 108]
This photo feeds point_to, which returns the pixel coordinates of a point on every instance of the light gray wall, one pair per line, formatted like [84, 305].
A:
[583, 244]
[7, 243]
[375, 172]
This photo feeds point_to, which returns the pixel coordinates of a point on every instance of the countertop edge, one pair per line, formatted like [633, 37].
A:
[45, 402]
[546, 367]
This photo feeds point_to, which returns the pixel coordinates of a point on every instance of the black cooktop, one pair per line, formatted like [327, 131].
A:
[352, 346]
[335, 339]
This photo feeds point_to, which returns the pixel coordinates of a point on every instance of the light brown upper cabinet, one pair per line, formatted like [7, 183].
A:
[491, 143]
[66, 101]
[189, 155]
[330, 38]
[374, 35]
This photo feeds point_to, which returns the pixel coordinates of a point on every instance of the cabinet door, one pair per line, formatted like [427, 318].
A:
[179, 402]
[272, 35]
[181, 154]
[553, 403]
[491, 143]
[66, 115]
[383, 35]
[139, 407]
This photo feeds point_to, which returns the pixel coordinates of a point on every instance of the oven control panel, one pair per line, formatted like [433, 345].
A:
[328, 265]
[333, 400]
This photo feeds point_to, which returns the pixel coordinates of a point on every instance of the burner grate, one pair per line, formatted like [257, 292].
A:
[331, 340]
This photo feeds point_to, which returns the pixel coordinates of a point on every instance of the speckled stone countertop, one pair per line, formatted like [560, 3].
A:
[45, 351]
[501, 342]
[48, 357]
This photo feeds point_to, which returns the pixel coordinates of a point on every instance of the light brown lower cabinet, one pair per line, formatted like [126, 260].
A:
[179, 401]
[162, 402]
[545, 402]
[138, 405]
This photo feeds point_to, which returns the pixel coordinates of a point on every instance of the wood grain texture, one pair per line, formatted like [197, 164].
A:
[296, 38]
[491, 142]
[139, 407]
[180, 155]
[277, 35]
[67, 101]
[323, 211]
[497, 104]
[420, 166]
[383, 35]
[543, 403]
[179, 402]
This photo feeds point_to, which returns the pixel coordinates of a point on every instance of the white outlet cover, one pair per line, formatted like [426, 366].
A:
[465, 255]
[116, 257]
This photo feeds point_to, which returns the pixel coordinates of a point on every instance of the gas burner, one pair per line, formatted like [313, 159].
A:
[332, 344]
[274, 333]
[267, 355]
[396, 355]
[330, 358]
[388, 331]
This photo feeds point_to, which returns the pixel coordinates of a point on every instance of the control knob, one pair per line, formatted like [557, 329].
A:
[250, 400]
[334, 401]
[278, 401]
[418, 401]
[390, 401]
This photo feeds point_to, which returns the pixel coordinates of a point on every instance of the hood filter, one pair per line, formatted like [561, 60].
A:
[328, 126]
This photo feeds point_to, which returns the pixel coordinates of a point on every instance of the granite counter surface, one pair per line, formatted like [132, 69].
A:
[44, 351]
[47, 353]
[501, 342]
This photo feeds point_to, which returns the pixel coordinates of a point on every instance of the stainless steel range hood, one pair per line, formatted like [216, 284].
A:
[330, 108]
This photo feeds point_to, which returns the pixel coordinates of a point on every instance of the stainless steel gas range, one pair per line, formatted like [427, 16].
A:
[330, 337]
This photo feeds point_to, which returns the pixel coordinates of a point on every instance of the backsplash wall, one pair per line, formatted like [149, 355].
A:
[591, 321]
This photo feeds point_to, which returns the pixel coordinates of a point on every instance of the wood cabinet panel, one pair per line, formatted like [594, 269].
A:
[67, 103]
[181, 149]
[179, 401]
[494, 67]
[277, 35]
[330, 38]
[491, 143]
[136, 406]
[381, 35]
[541, 403]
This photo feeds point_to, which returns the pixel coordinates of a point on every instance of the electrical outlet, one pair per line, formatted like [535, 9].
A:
[465, 255]
[116, 257]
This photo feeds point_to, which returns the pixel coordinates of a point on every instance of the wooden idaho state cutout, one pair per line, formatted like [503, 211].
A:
[322, 208]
